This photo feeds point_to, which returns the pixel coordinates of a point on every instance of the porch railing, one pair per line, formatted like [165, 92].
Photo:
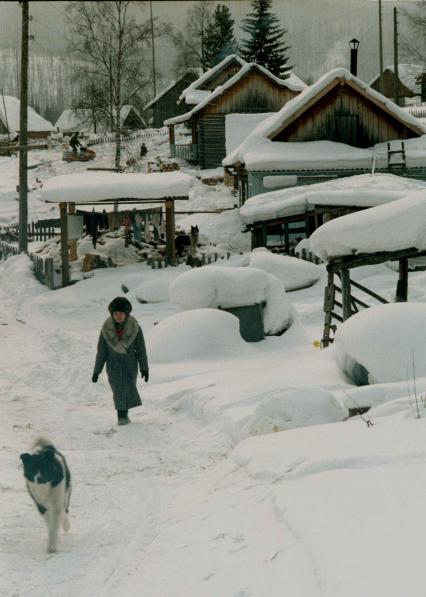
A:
[187, 151]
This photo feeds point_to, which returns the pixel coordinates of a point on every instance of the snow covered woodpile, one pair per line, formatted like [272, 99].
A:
[228, 287]
[390, 227]
[381, 343]
[196, 334]
[38, 127]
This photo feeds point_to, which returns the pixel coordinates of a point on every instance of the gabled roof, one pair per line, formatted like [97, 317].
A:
[408, 74]
[10, 116]
[81, 119]
[167, 89]
[293, 83]
[269, 128]
[212, 72]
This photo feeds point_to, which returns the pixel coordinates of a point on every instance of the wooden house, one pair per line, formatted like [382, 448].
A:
[335, 128]
[207, 82]
[165, 104]
[253, 89]
[409, 82]
[38, 127]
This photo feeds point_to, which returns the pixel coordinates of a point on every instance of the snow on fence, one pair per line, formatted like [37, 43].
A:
[418, 111]
[44, 269]
[141, 135]
[205, 259]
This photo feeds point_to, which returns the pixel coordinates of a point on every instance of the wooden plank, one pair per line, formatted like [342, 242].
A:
[402, 284]
[64, 245]
[346, 294]
[369, 292]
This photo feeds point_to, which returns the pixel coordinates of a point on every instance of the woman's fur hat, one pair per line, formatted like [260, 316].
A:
[120, 303]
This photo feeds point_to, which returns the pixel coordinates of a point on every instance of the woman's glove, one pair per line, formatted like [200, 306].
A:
[95, 377]
[145, 375]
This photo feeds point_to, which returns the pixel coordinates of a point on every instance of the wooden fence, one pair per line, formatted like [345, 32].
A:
[160, 262]
[418, 111]
[40, 230]
[141, 135]
[44, 268]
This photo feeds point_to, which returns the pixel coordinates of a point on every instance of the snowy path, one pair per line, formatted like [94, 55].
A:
[123, 477]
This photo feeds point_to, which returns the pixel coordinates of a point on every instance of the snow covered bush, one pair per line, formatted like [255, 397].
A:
[294, 273]
[196, 334]
[226, 287]
[377, 345]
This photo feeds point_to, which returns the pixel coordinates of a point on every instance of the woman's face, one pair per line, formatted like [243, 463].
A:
[119, 316]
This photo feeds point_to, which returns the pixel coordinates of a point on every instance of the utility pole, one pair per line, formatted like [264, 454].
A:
[153, 50]
[381, 82]
[395, 56]
[23, 133]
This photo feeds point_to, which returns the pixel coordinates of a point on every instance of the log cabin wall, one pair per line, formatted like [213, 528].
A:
[345, 116]
[254, 93]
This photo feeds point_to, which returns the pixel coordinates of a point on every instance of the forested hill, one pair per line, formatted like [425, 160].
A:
[49, 81]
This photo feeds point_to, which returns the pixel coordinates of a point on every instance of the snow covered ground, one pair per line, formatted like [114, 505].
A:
[240, 476]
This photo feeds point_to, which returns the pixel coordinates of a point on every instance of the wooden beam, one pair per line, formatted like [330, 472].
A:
[350, 261]
[170, 231]
[64, 244]
[72, 242]
[402, 284]
[346, 294]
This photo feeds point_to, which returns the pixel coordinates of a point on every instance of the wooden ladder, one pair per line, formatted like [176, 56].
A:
[401, 152]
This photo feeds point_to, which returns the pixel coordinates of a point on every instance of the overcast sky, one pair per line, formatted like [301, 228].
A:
[318, 30]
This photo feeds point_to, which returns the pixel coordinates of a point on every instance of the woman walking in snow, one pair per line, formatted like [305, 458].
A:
[121, 346]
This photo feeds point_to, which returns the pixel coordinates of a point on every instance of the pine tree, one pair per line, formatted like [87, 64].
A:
[265, 44]
[219, 36]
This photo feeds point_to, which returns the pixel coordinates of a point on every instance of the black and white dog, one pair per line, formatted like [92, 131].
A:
[49, 484]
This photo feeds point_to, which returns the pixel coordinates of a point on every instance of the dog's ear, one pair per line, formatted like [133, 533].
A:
[25, 457]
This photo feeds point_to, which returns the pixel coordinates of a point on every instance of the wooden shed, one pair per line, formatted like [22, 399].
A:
[252, 90]
[409, 82]
[165, 104]
[337, 127]
[109, 188]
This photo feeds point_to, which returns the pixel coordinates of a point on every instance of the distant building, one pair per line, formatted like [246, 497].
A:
[165, 104]
[38, 127]
[90, 121]
[409, 84]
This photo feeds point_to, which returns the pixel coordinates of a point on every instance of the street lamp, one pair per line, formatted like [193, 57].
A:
[354, 45]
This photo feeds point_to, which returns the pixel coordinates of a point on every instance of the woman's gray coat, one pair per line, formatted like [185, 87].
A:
[122, 357]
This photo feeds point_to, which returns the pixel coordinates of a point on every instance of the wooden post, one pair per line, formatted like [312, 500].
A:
[286, 239]
[64, 245]
[171, 135]
[346, 294]
[170, 231]
[402, 284]
[73, 241]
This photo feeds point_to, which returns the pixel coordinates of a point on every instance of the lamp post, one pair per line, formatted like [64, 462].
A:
[354, 45]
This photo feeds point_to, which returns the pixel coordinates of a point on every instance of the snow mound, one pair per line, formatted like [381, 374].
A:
[154, 291]
[227, 287]
[292, 408]
[294, 273]
[18, 279]
[196, 334]
[377, 345]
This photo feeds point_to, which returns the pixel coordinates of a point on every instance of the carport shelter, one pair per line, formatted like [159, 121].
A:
[111, 188]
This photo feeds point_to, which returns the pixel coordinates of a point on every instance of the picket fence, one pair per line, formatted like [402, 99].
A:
[140, 135]
[44, 269]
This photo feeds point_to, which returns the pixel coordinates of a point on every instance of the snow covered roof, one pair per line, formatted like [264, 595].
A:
[408, 74]
[260, 140]
[72, 120]
[92, 187]
[390, 227]
[10, 116]
[365, 190]
[210, 74]
[294, 84]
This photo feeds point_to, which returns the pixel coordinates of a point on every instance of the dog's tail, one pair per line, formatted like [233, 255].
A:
[42, 442]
